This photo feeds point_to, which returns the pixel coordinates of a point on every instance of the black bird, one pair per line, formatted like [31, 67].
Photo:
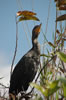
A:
[26, 69]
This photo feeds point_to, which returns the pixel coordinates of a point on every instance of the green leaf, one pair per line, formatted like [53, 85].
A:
[40, 88]
[57, 96]
[28, 17]
[64, 89]
[52, 87]
[62, 56]
[53, 90]
[45, 55]
[63, 80]
[53, 84]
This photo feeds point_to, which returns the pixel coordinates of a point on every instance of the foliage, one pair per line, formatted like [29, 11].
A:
[51, 87]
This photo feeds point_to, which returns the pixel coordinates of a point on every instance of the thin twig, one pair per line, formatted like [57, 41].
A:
[15, 49]
[55, 28]
[47, 24]
[48, 16]
[19, 4]
[3, 85]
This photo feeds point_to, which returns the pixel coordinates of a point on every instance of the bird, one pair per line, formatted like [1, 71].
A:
[26, 69]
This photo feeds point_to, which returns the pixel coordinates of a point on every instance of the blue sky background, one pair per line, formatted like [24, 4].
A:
[8, 10]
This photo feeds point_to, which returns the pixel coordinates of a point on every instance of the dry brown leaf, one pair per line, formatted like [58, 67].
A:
[61, 2]
[28, 18]
[62, 7]
[56, 0]
[25, 12]
[51, 44]
[61, 18]
[58, 31]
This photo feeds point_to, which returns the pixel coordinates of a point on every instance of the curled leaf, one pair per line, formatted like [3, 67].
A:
[62, 56]
[61, 18]
[25, 12]
[28, 18]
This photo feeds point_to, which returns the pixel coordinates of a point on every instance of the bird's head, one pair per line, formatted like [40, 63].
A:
[36, 31]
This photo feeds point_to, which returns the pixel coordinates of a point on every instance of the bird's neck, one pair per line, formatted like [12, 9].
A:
[36, 46]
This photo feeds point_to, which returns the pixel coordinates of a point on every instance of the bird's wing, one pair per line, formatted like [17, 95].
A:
[24, 69]
[24, 72]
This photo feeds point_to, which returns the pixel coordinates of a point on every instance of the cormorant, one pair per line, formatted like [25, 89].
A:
[26, 69]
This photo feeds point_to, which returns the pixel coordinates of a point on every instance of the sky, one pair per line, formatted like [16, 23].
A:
[8, 10]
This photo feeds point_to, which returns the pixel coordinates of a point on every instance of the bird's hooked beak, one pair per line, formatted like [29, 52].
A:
[37, 30]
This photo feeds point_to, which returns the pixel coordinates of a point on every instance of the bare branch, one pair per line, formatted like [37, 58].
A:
[3, 85]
